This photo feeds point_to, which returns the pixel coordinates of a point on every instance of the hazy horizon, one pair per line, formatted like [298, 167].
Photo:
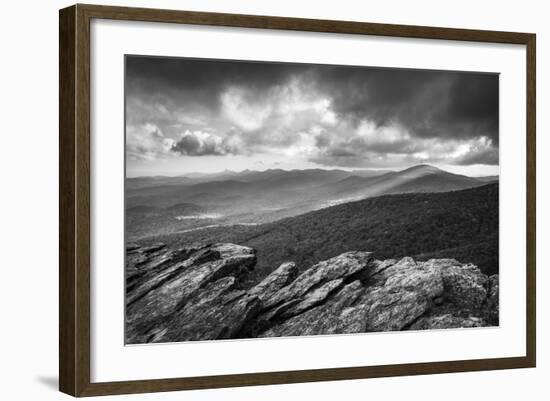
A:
[455, 170]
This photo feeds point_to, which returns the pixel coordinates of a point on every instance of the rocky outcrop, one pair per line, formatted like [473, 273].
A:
[158, 299]
[218, 311]
[199, 293]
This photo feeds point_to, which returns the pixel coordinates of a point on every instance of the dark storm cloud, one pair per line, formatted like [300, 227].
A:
[351, 115]
[178, 93]
[201, 80]
[428, 103]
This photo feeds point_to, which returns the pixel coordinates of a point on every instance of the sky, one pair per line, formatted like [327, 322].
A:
[198, 115]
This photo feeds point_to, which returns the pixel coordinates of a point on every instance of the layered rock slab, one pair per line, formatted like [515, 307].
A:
[157, 300]
[197, 293]
[219, 311]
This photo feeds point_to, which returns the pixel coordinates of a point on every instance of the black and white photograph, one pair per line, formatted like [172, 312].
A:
[271, 199]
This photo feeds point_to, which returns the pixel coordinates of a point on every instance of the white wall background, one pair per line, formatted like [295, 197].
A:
[28, 208]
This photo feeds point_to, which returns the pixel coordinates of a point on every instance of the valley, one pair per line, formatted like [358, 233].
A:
[164, 205]
[457, 224]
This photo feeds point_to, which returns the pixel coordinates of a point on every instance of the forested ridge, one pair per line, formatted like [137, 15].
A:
[459, 224]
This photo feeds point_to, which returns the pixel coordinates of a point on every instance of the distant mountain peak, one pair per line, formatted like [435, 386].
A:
[422, 170]
[424, 167]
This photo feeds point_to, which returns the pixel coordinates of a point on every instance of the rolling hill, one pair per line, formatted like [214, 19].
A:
[456, 224]
[420, 178]
[255, 197]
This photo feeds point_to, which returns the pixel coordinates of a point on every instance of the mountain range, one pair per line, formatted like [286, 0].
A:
[256, 197]
[461, 224]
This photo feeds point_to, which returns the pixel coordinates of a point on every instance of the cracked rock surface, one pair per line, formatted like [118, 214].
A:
[198, 293]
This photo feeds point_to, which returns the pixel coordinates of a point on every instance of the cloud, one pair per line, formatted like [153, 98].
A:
[200, 143]
[241, 109]
[480, 151]
[281, 119]
[369, 145]
[147, 142]
[428, 103]
[329, 115]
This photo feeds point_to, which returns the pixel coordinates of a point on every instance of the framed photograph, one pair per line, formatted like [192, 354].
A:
[250, 200]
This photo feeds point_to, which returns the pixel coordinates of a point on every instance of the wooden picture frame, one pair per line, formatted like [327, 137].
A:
[74, 199]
